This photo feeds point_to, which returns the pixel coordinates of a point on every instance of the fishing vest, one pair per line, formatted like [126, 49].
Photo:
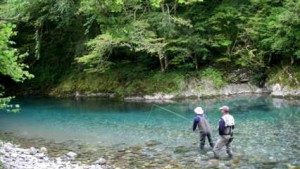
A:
[229, 123]
[203, 125]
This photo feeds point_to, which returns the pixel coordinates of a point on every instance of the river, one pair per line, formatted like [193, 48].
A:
[131, 134]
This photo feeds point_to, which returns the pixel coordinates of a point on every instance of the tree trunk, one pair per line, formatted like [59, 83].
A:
[175, 6]
[166, 62]
[228, 51]
[162, 69]
[292, 60]
[162, 7]
[196, 62]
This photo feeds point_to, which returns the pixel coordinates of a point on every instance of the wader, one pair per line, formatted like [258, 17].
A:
[204, 132]
[224, 140]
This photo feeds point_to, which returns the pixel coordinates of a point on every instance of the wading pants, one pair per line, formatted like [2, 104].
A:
[202, 140]
[224, 140]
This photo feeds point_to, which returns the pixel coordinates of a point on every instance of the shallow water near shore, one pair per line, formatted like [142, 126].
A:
[158, 134]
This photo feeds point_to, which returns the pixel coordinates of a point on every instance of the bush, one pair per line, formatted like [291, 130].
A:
[214, 75]
[289, 77]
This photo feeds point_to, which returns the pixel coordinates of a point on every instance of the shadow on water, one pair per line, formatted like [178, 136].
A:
[157, 135]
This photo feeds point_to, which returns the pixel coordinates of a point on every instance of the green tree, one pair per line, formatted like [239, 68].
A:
[168, 35]
[152, 28]
[10, 61]
[270, 31]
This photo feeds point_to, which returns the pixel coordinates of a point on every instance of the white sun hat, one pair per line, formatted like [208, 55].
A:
[198, 110]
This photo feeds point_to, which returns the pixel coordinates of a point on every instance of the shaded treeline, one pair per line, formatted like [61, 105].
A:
[138, 38]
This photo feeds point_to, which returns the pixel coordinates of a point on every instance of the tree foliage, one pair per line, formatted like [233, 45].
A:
[168, 35]
[10, 61]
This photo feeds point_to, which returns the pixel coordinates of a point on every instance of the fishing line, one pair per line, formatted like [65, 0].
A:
[172, 112]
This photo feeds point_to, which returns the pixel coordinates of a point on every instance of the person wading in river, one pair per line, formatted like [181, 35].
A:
[201, 121]
[226, 126]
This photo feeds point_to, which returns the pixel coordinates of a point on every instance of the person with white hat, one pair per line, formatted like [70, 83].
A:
[201, 122]
[226, 126]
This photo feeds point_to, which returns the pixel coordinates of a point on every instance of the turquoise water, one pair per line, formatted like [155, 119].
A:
[158, 135]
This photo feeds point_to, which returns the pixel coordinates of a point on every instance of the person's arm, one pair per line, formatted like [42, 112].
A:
[221, 126]
[196, 121]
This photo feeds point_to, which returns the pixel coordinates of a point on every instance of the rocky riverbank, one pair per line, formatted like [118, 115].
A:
[198, 90]
[14, 157]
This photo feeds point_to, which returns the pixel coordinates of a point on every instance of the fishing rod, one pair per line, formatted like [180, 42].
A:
[172, 112]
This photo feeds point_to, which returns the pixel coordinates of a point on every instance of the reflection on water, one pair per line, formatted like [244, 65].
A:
[158, 135]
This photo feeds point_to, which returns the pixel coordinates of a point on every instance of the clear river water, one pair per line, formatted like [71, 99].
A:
[131, 134]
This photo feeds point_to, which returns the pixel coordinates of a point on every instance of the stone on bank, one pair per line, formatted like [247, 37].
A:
[12, 156]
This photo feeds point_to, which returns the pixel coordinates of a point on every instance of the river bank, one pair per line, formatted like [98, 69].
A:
[195, 90]
[14, 157]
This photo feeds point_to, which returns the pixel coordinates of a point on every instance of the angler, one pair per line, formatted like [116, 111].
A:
[226, 126]
[201, 121]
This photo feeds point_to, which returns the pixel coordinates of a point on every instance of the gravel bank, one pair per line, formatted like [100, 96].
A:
[14, 157]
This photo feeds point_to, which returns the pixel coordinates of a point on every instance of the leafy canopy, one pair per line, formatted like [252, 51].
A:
[10, 61]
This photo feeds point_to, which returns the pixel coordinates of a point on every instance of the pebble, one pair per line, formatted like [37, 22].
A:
[39, 155]
[100, 161]
[32, 151]
[8, 147]
[152, 143]
[43, 150]
[71, 155]
[14, 157]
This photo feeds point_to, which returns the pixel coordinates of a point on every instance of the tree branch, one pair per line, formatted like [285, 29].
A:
[14, 19]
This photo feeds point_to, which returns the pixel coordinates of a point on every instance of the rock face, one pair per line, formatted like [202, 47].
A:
[195, 88]
[243, 89]
[200, 89]
[281, 91]
[11, 156]
[206, 89]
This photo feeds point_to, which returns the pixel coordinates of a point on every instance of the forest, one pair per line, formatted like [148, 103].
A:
[136, 47]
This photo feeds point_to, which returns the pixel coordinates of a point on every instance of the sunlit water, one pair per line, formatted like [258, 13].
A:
[158, 135]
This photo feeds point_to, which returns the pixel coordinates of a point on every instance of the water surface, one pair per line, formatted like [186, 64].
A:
[159, 135]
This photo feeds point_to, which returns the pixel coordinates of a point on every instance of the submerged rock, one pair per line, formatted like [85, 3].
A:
[152, 143]
[100, 161]
[181, 149]
[213, 163]
[293, 167]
